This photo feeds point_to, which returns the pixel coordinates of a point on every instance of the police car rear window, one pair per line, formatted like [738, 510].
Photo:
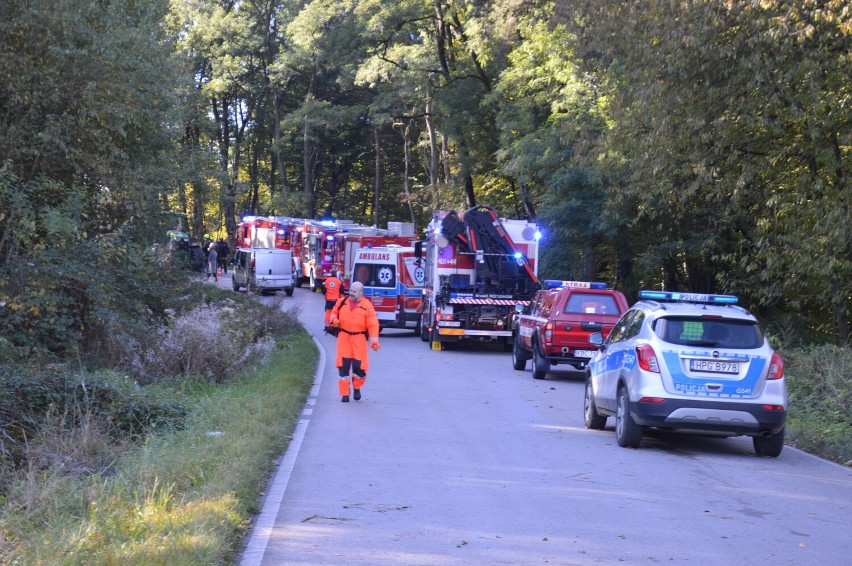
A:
[709, 332]
[591, 303]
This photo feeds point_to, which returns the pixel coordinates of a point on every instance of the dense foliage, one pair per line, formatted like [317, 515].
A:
[693, 145]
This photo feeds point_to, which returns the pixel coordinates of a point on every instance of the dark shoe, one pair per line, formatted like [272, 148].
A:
[357, 394]
[345, 399]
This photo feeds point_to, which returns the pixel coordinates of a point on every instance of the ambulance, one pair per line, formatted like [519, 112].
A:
[393, 280]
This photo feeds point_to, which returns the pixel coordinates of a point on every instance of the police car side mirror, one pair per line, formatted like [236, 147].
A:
[596, 338]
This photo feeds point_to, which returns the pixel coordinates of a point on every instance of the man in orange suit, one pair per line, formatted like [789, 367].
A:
[333, 288]
[357, 320]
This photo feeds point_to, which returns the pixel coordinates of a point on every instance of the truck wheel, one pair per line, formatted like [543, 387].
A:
[424, 329]
[540, 365]
[235, 285]
[519, 355]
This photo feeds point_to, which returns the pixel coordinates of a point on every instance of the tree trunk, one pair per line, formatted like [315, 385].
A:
[377, 181]
[433, 148]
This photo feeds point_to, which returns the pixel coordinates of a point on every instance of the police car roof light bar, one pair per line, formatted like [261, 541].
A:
[554, 283]
[689, 297]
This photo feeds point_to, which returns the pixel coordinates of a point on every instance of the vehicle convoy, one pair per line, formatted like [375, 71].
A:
[478, 267]
[263, 270]
[555, 327]
[393, 281]
[690, 363]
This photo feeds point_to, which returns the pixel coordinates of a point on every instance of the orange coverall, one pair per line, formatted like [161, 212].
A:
[357, 320]
[333, 288]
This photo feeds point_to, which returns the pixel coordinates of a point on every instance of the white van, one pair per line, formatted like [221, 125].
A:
[263, 270]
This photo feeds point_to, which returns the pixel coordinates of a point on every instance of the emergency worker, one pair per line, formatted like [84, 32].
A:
[333, 288]
[357, 320]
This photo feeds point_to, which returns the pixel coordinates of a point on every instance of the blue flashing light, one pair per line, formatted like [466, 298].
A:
[537, 235]
[555, 283]
[329, 238]
[518, 255]
[249, 218]
[689, 297]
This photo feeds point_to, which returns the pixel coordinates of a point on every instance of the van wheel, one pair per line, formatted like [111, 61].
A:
[540, 366]
[289, 291]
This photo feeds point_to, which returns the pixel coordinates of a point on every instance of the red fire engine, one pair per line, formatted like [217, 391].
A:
[313, 244]
[265, 232]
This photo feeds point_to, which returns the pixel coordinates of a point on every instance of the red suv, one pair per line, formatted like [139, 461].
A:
[555, 327]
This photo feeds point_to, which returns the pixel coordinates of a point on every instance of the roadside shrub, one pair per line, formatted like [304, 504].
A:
[212, 341]
[820, 393]
[33, 401]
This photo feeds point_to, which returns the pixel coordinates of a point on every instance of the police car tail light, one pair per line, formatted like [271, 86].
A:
[647, 358]
[776, 367]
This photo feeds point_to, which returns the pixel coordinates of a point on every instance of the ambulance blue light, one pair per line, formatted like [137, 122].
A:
[329, 238]
[554, 283]
[537, 235]
[689, 297]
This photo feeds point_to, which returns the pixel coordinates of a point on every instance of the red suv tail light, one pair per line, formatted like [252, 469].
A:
[548, 332]
[647, 358]
[776, 367]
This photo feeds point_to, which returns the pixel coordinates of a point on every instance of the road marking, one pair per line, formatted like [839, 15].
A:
[263, 525]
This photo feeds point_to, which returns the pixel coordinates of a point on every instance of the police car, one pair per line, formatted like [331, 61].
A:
[690, 363]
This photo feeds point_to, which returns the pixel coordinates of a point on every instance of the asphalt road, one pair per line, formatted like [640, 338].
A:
[454, 458]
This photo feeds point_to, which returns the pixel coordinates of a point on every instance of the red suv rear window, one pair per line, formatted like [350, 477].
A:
[591, 303]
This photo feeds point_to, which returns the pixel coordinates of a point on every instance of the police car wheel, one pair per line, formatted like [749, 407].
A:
[628, 434]
[591, 418]
[769, 445]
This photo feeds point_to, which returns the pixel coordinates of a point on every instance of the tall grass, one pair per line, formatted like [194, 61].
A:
[819, 382]
[185, 497]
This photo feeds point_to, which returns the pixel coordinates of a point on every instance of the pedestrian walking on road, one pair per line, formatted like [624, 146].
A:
[357, 320]
[212, 262]
[222, 251]
[333, 288]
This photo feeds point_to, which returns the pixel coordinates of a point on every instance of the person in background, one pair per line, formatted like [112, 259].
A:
[357, 320]
[212, 262]
[222, 251]
[333, 288]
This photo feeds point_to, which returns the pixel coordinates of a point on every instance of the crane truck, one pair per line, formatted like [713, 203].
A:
[478, 269]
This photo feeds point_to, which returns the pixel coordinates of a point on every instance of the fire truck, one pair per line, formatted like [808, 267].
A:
[393, 281]
[478, 268]
[351, 237]
[263, 232]
[313, 248]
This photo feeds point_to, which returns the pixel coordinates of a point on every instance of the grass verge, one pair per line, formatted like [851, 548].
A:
[184, 497]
